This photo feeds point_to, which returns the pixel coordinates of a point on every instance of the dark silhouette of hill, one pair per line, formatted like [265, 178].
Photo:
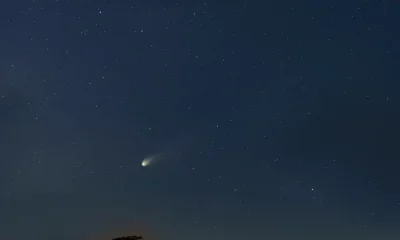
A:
[128, 238]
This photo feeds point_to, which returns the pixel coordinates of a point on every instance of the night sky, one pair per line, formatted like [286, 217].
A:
[255, 119]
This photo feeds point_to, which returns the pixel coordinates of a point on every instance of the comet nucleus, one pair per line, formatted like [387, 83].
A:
[146, 162]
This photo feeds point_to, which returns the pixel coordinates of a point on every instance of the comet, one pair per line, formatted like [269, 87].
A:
[171, 152]
[147, 161]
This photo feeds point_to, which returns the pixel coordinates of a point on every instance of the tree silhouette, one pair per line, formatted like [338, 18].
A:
[128, 238]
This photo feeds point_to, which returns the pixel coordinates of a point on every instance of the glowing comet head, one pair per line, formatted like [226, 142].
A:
[146, 162]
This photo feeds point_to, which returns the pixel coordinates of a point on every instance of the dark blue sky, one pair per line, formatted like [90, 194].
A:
[263, 119]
